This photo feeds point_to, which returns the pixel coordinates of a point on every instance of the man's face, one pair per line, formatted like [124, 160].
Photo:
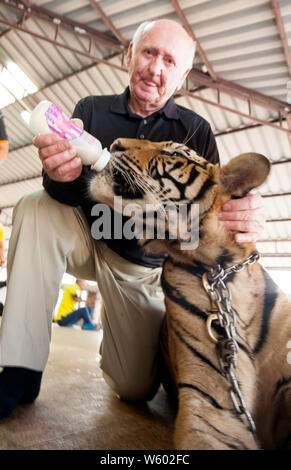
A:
[157, 68]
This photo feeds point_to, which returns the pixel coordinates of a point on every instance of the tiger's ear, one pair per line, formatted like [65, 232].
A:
[243, 173]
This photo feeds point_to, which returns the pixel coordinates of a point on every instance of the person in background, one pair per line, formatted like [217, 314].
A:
[67, 314]
[93, 298]
[3, 139]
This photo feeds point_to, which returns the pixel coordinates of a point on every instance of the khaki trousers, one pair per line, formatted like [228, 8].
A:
[49, 239]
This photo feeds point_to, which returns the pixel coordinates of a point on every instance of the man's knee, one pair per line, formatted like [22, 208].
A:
[132, 389]
[30, 202]
[44, 211]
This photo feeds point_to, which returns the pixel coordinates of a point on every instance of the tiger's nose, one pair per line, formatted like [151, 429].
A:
[117, 146]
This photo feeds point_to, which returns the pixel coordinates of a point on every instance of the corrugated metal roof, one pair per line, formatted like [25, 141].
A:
[241, 40]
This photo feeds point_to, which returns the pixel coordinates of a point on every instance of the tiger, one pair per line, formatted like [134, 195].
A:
[144, 172]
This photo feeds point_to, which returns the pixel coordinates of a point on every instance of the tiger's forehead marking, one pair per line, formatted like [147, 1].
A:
[165, 155]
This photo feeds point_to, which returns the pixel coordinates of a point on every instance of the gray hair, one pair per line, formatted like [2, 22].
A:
[147, 26]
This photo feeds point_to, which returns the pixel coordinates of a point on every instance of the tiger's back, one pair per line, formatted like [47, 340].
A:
[263, 330]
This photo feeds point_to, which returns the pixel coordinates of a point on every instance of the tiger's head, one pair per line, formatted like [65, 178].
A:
[170, 175]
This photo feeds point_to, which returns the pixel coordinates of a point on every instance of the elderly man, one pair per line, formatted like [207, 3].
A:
[51, 229]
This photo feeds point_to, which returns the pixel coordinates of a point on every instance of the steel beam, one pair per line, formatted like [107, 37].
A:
[276, 195]
[278, 268]
[275, 255]
[280, 25]
[238, 91]
[188, 28]
[65, 22]
[64, 46]
[245, 128]
[279, 162]
[278, 220]
[274, 240]
[236, 111]
[19, 22]
[109, 23]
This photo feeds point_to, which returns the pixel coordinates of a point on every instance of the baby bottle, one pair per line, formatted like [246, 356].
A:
[47, 117]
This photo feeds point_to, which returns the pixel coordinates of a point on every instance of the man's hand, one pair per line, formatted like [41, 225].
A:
[247, 215]
[58, 157]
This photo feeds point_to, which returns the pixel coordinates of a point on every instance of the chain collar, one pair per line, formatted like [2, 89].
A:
[227, 347]
[220, 274]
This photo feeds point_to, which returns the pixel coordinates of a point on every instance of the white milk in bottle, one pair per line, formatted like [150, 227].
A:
[47, 117]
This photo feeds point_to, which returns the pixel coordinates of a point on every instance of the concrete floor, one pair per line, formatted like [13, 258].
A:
[77, 410]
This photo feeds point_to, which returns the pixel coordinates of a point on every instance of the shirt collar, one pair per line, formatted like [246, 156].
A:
[120, 106]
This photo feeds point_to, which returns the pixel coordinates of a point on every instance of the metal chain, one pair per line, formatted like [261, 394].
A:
[227, 317]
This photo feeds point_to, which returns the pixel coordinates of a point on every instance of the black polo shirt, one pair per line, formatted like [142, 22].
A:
[109, 117]
[3, 135]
